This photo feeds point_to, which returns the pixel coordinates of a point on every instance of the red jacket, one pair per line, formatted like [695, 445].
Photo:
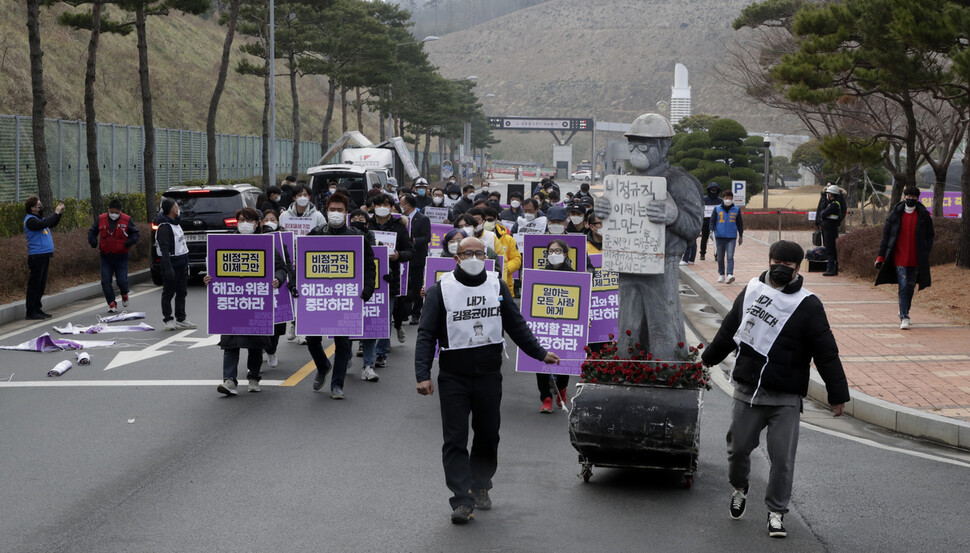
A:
[113, 240]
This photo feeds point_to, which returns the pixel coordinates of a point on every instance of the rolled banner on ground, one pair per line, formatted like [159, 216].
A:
[83, 357]
[60, 368]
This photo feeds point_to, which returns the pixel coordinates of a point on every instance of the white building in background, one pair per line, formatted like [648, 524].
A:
[679, 95]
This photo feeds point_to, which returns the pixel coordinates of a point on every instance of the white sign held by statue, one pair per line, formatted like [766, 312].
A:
[631, 243]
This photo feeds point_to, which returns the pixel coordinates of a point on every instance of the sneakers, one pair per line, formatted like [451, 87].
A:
[682, 262]
[337, 392]
[271, 359]
[414, 321]
[369, 375]
[401, 336]
[320, 379]
[702, 257]
[730, 279]
[124, 300]
[290, 331]
[904, 324]
[227, 387]
[462, 514]
[738, 501]
[482, 501]
[112, 307]
[185, 325]
[381, 362]
[720, 278]
[170, 324]
[776, 526]
[546, 405]
[561, 398]
[254, 386]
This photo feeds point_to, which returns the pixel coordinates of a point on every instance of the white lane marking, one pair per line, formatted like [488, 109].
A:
[154, 350]
[119, 383]
[47, 322]
[717, 376]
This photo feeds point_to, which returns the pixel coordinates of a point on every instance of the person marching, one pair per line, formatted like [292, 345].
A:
[40, 250]
[402, 251]
[556, 260]
[114, 232]
[778, 329]
[171, 247]
[469, 376]
[728, 227]
[712, 198]
[904, 252]
[248, 223]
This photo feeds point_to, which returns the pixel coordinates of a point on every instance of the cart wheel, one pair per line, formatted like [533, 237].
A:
[587, 472]
[688, 480]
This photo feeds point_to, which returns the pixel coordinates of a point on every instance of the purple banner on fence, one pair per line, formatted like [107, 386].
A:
[435, 267]
[377, 317]
[555, 304]
[438, 232]
[330, 277]
[534, 256]
[952, 202]
[284, 300]
[240, 295]
[604, 306]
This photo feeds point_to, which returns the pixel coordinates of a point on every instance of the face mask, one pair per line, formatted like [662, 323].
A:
[470, 196]
[467, 231]
[712, 193]
[556, 259]
[489, 225]
[576, 220]
[484, 189]
[453, 248]
[473, 266]
[422, 192]
[333, 190]
[728, 203]
[453, 196]
[382, 211]
[515, 204]
[115, 216]
[302, 201]
[529, 216]
[911, 203]
[479, 228]
[246, 227]
[270, 226]
[438, 200]
[336, 218]
[556, 228]
[360, 225]
[781, 275]
[275, 197]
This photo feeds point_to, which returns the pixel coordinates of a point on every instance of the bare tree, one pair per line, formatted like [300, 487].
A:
[210, 123]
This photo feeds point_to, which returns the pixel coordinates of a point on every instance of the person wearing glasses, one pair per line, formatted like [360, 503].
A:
[470, 363]
[557, 259]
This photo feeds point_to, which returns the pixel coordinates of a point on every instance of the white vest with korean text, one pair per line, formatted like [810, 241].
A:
[181, 248]
[473, 315]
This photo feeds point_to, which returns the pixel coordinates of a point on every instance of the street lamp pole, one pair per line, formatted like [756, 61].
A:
[767, 156]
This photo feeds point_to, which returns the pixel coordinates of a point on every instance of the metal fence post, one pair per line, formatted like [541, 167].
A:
[77, 193]
[16, 157]
[60, 158]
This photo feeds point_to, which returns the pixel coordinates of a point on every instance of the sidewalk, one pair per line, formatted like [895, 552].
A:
[916, 381]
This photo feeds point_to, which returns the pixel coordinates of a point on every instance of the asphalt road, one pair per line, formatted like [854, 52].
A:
[147, 456]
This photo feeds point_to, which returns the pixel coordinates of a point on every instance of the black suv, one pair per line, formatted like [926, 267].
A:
[204, 210]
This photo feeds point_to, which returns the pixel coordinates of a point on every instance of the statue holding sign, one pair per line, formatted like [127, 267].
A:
[649, 219]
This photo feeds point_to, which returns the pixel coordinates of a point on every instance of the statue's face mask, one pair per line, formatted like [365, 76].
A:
[648, 153]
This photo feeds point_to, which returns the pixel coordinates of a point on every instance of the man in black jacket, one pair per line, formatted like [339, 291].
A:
[383, 224]
[780, 328]
[470, 363]
[904, 253]
[712, 199]
[466, 202]
[174, 253]
[338, 225]
[420, 229]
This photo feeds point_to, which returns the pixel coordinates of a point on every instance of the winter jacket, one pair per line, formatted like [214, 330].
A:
[114, 237]
[513, 259]
[924, 244]
[805, 337]
[39, 239]
[432, 332]
[165, 241]
[404, 247]
[727, 222]
[319, 219]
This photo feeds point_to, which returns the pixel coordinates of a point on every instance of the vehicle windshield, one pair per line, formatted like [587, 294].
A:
[218, 202]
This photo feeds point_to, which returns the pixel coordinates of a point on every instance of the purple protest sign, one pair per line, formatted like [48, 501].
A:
[330, 277]
[240, 295]
[952, 202]
[435, 267]
[403, 290]
[555, 304]
[604, 307]
[284, 300]
[534, 256]
[377, 318]
[438, 232]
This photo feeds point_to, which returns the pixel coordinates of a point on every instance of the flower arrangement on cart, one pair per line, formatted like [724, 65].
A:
[635, 411]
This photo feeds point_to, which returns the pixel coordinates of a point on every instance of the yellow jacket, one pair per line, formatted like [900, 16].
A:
[513, 259]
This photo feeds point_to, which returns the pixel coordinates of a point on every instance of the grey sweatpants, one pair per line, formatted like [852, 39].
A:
[747, 422]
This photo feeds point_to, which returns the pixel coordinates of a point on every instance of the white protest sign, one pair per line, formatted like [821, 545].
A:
[299, 226]
[385, 238]
[436, 214]
[631, 243]
[740, 189]
[535, 226]
[708, 210]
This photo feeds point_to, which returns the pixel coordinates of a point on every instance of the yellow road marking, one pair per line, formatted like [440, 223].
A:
[299, 375]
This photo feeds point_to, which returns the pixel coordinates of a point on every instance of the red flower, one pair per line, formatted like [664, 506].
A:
[628, 333]
[680, 344]
[700, 346]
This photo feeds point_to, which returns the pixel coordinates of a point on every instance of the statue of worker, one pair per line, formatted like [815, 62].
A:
[650, 303]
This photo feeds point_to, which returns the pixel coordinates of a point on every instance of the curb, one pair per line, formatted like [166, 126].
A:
[898, 418]
[17, 310]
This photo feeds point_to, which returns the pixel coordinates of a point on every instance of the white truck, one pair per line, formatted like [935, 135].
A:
[362, 167]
